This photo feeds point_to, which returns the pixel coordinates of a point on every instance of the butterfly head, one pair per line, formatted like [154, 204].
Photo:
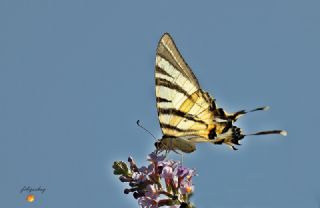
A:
[163, 145]
[159, 146]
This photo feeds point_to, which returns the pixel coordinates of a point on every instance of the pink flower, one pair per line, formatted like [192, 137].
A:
[146, 202]
[167, 172]
[161, 183]
[151, 191]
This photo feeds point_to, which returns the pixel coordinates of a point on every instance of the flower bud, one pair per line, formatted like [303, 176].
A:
[137, 195]
[124, 179]
[183, 205]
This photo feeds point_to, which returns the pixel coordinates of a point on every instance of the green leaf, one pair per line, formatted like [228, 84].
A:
[120, 168]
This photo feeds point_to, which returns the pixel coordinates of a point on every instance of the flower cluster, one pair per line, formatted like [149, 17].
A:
[161, 183]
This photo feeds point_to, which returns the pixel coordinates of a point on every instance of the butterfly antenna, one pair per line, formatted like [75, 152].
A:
[166, 147]
[282, 132]
[138, 123]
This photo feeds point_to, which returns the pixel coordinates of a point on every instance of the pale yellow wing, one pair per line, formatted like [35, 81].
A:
[195, 116]
[183, 108]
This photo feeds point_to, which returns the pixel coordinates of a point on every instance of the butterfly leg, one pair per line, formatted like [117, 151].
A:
[177, 152]
[181, 158]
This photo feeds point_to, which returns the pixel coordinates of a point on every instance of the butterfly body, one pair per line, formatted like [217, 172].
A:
[174, 144]
[187, 114]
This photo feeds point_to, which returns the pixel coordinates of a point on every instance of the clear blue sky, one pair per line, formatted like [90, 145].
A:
[76, 75]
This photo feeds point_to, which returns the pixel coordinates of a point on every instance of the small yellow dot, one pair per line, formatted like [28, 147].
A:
[30, 198]
[188, 189]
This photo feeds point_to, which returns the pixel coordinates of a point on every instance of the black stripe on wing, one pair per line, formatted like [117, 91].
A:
[162, 100]
[175, 65]
[166, 83]
[172, 57]
[168, 126]
[172, 111]
[162, 71]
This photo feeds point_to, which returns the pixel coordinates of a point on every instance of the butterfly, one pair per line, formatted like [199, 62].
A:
[188, 114]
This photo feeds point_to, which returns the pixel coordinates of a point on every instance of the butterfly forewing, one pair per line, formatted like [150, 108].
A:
[183, 108]
[168, 51]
